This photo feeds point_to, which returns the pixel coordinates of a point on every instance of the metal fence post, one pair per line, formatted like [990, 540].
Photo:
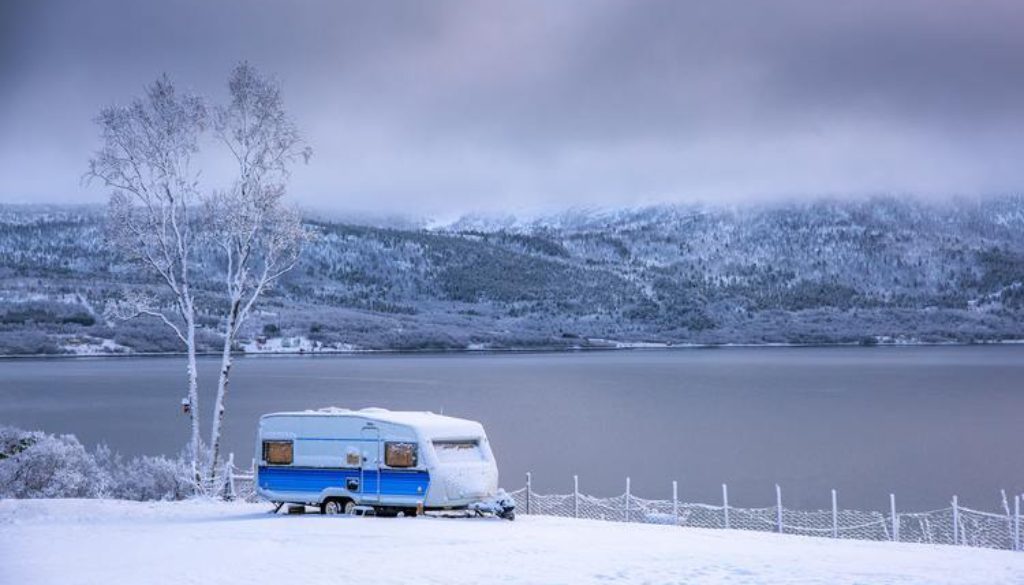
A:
[956, 521]
[627, 499]
[895, 518]
[675, 502]
[1009, 518]
[725, 504]
[835, 516]
[1016, 522]
[529, 488]
[575, 496]
[778, 504]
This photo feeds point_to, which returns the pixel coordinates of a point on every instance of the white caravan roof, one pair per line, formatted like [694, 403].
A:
[426, 422]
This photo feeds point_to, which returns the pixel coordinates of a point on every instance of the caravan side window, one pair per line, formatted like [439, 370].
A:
[400, 454]
[278, 452]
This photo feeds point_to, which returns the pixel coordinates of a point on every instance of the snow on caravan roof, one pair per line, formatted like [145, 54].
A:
[433, 425]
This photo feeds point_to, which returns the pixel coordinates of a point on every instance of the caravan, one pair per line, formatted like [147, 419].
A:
[388, 461]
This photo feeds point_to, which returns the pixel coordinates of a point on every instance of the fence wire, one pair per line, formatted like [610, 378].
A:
[960, 525]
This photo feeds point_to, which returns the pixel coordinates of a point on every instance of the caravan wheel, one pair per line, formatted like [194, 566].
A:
[334, 506]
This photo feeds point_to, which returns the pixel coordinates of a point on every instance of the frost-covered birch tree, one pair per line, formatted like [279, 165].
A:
[256, 236]
[146, 159]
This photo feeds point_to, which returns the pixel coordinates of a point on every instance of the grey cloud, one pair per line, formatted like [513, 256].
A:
[452, 106]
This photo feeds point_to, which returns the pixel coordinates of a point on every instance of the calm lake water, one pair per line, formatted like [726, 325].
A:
[922, 422]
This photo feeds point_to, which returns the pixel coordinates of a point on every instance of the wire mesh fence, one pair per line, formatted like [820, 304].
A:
[957, 525]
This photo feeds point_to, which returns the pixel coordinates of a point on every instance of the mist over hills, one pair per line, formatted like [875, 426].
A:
[881, 270]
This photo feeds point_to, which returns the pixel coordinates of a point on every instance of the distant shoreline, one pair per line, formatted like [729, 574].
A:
[512, 350]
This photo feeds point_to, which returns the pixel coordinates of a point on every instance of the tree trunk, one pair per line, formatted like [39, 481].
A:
[193, 395]
[222, 388]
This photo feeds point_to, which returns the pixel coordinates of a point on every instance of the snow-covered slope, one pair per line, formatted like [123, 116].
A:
[111, 542]
[883, 270]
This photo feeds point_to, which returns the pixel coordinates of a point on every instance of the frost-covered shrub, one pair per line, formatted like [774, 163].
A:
[38, 465]
[34, 464]
[144, 478]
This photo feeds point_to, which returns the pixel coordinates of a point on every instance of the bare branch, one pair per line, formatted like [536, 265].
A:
[135, 305]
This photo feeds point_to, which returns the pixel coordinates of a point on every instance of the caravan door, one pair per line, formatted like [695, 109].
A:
[369, 473]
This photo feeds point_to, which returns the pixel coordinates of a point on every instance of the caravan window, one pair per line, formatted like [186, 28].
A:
[400, 454]
[458, 451]
[278, 452]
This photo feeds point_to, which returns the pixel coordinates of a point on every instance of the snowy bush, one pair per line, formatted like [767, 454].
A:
[144, 478]
[34, 464]
[38, 465]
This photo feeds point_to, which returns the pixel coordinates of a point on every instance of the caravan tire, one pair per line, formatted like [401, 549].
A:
[334, 506]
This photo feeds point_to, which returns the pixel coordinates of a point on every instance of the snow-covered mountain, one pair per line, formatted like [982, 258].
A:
[828, 271]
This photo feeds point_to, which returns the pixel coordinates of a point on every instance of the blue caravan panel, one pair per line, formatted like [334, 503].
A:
[315, 480]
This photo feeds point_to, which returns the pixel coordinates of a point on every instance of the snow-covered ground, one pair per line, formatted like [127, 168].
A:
[114, 542]
[93, 346]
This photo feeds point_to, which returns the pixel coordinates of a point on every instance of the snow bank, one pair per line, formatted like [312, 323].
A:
[280, 345]
[88, 345]
[298, 344]
[629, 344]
[101, 541]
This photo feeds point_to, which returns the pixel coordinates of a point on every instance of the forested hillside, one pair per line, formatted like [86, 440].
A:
[880, 270]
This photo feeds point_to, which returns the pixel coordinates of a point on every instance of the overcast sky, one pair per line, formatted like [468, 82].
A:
[433, 107]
